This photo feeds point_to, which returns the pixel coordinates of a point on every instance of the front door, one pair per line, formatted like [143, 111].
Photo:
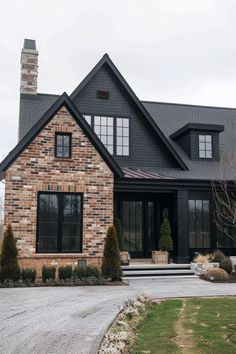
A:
[140, 220]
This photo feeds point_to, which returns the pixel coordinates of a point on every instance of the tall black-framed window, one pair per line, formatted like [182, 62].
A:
[205, 146]
[114, 133]
[104, 128]
[63, 145]
[199, 223]
[59, 227]
[122, 136]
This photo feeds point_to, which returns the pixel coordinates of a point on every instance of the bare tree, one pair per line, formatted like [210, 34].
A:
[224, 198]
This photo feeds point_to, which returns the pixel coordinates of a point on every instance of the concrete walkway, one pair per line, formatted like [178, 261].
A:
[73, 320]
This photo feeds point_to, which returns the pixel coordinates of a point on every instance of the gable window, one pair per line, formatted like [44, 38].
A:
[122, 136]
[199, 223]
[63, 145]
[205, 146]
[112, 131]
[103, 127]
[59, 222]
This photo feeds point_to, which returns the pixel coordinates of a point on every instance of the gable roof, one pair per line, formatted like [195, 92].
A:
[63, 100]
[32, 108]
[107, 61]
[173, 116]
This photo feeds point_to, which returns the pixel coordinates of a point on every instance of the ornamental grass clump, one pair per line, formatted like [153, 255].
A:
[111, 256]
[201, 259]
[217, 256]
[227, 265]
[166, 241]
[10, 269]
[216, 274]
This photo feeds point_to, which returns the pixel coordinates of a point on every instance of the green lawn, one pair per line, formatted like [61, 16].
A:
[196, 326]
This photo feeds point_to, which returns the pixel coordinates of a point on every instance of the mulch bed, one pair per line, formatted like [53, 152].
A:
[232, 279]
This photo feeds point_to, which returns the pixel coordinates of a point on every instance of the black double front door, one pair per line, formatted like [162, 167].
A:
[140, 223]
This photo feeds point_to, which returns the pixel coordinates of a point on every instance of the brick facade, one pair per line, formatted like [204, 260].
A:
[37, 170]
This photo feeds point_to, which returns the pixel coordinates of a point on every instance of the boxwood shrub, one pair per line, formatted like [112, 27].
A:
[88, 271]
[28, 275]
[65, 272]
[48, 272]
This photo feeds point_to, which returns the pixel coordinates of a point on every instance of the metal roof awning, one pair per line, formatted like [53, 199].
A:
[137, 173]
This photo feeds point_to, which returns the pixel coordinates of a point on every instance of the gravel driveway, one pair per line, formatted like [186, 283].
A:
[72, 320]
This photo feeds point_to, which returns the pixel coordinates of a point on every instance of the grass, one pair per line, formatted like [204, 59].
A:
[159, 328]
[193, 326]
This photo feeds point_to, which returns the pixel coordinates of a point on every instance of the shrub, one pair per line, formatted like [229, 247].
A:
[48, 273]
[65, 272]
[227, 265]
[216, 274]
[9, 264]
[111, 256]
[166, 241]
[217, 256]
[118, 228]
[28, 275]
[202, 259]
[86, 272]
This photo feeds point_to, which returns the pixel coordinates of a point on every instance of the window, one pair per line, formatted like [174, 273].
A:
[59, 222]
[63, 145]
[113, 133]
[199, 223]
[122, 136]
[205, 146]
[103, 127]
[132, 221]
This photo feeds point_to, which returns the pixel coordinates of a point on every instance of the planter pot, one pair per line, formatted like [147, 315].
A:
[160, 257]
[124, 258]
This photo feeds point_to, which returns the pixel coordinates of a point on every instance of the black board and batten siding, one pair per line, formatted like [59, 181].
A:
[145, 150]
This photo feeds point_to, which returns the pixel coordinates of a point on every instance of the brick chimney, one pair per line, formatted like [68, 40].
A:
[29, 67]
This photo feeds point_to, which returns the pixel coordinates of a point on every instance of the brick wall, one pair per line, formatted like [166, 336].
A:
[36, 169]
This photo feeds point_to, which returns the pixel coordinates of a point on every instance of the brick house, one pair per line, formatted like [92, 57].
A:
[100, 152]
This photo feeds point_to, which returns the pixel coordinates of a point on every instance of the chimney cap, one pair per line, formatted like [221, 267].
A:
[30, 44]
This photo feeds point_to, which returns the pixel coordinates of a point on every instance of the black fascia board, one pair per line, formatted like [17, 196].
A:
[138, 184]
[198, 126]
[63, 100]
[106, 60]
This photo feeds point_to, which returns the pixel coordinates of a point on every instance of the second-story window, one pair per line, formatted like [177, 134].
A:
[112, 131]
[63, 145]
[103, 127]
[122, 136]
[205, 146]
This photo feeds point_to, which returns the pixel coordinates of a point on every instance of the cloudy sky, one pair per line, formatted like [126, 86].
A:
[175, 51]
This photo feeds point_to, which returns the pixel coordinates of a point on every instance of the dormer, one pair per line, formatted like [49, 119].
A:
[199, 141]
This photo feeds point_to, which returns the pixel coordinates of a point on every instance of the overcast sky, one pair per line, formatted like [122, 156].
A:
[174, 51]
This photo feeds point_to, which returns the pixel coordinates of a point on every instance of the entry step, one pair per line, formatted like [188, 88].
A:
[156, 270]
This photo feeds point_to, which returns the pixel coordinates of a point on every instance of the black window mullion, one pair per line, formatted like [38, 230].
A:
[60, 216]
[114, 135]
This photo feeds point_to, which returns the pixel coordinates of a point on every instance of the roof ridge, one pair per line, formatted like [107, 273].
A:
[187, 104]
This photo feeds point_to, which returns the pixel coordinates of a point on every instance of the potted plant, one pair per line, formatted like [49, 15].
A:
[165, 243]
[124, 255]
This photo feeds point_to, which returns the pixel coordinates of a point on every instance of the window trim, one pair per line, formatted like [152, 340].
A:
[59, 222]
[70, 145]
[205, 150]
[92, 115]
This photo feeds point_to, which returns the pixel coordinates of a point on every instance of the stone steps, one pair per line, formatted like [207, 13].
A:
[156, 270]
